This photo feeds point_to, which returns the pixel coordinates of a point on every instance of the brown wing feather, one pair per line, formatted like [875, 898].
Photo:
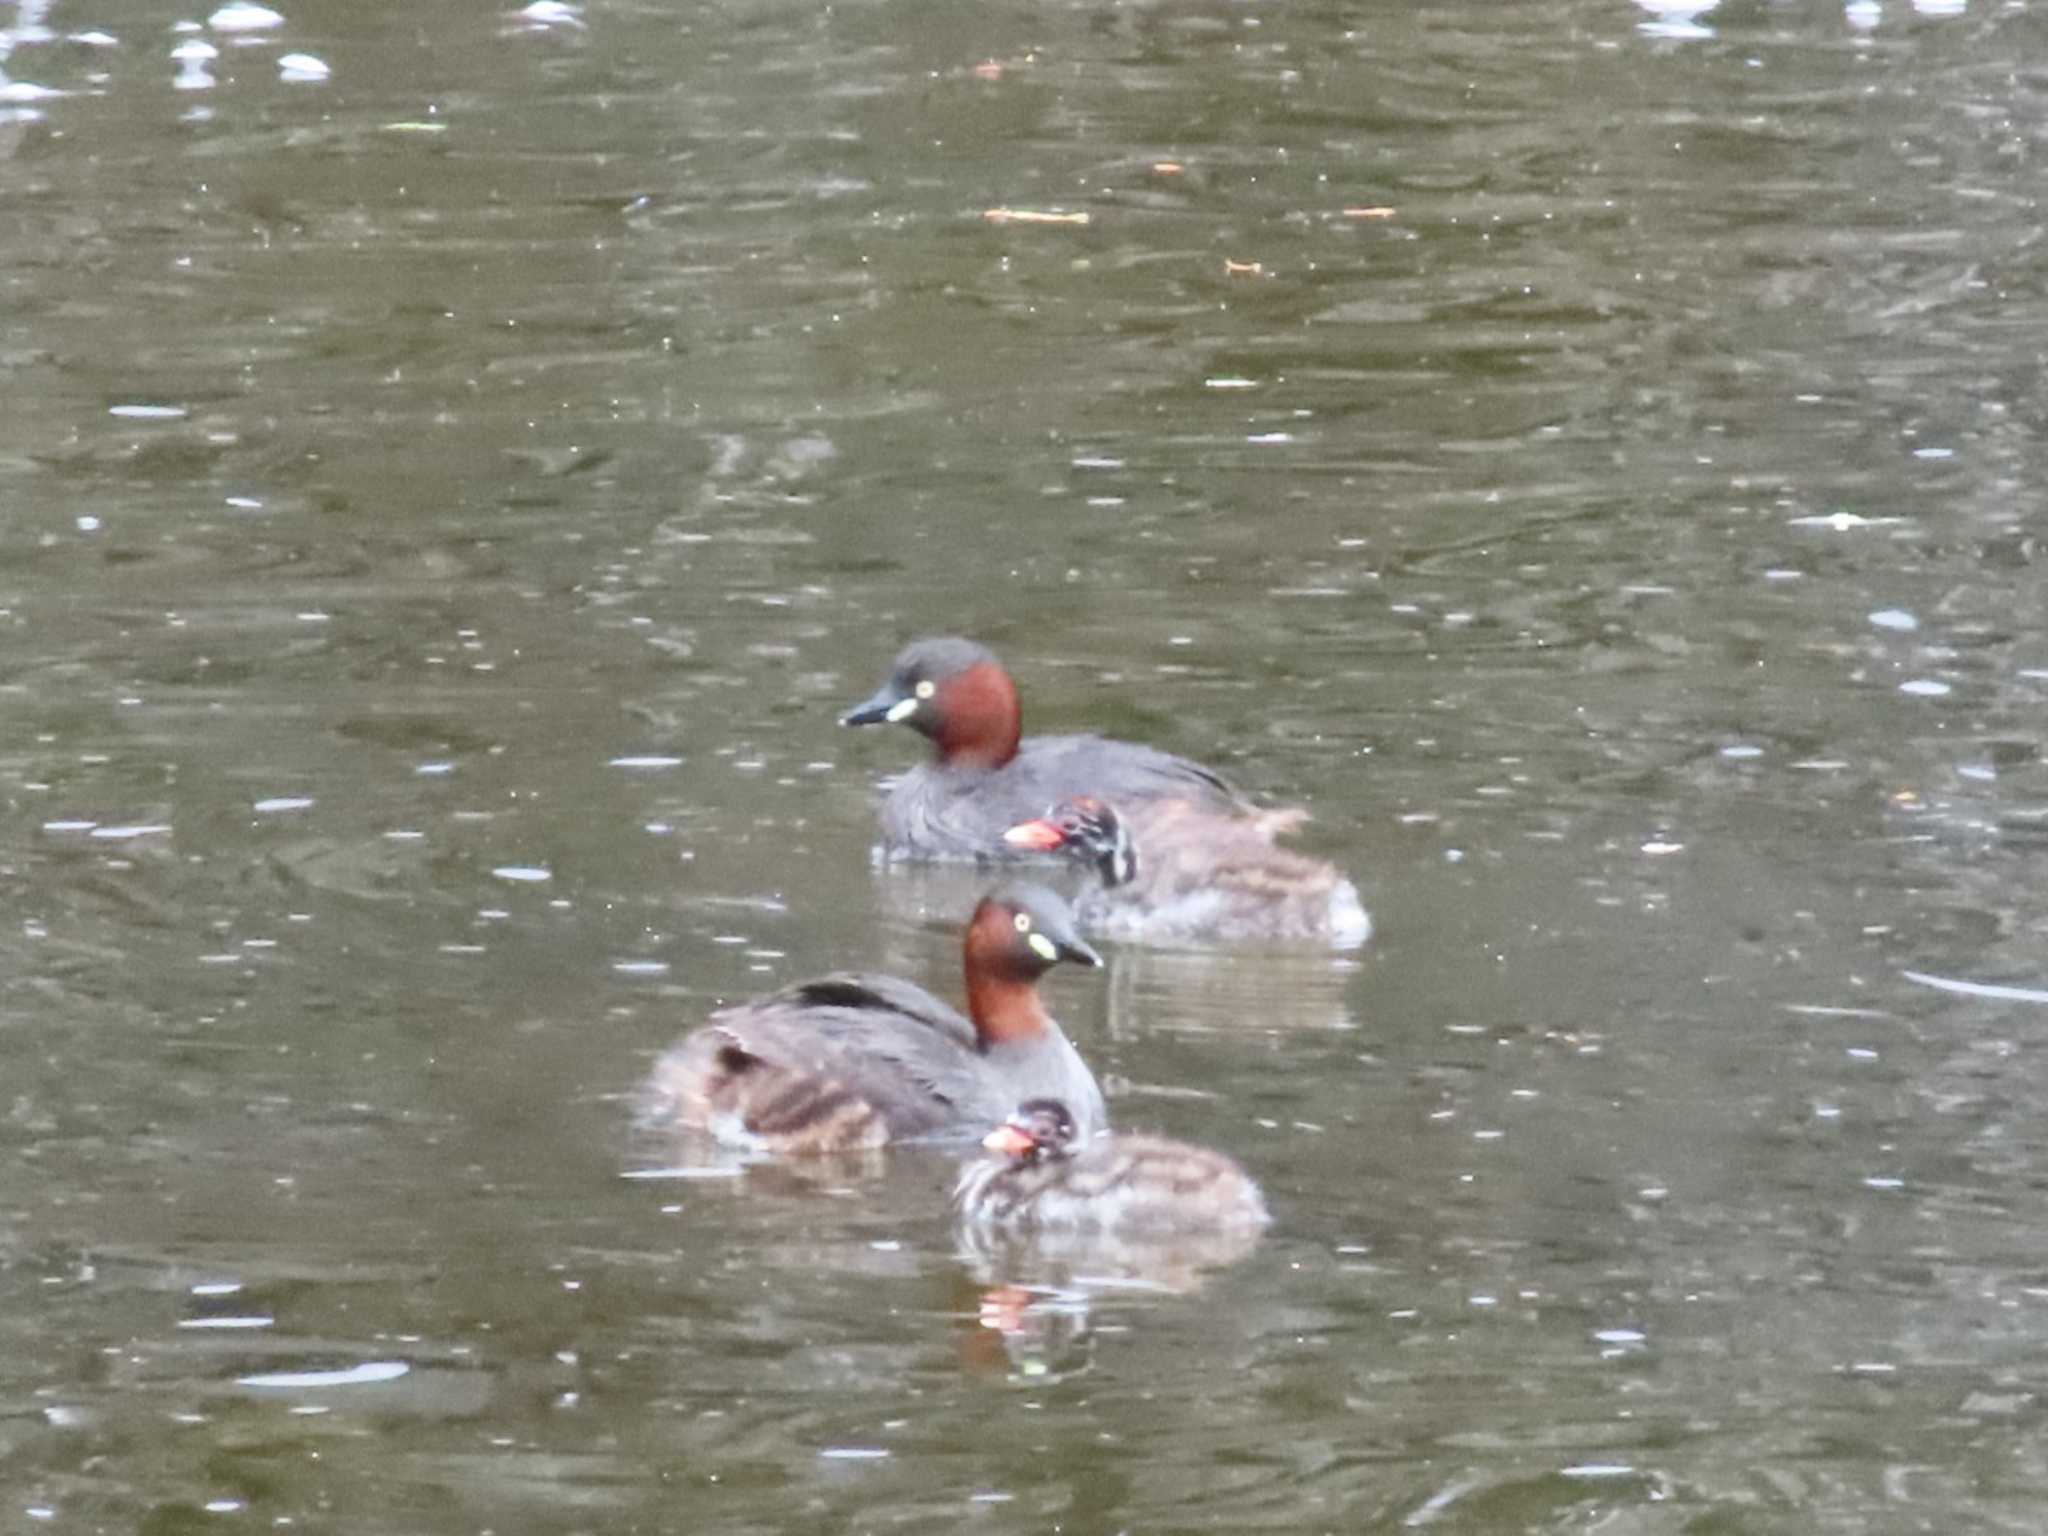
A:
[1130, 1183]
[1183, 848]
[843, 1061]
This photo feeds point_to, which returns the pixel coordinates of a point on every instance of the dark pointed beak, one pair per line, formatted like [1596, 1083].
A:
[1072, 948]
[873, 711]
[1068, 944]
[1039, 836]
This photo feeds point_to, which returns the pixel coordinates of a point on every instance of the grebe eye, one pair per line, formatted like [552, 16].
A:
[926, 688]
[1023, 921]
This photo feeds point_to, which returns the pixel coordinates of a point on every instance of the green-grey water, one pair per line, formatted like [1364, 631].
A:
[1588, 454]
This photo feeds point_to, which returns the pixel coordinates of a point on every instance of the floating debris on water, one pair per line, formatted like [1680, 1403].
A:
[241, 16]
[1990, 989]
[353, 1376]
[1032, 216]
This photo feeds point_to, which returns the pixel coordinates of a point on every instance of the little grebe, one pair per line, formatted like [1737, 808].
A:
[1197, 875]
[1046, 1176]
[986, 775]
[852, 1060]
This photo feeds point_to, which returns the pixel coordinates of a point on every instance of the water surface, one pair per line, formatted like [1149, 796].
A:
[1584, 451]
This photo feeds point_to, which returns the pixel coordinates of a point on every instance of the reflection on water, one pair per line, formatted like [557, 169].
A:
[1148, 988]
[1203, 992]
[1072, 1264]
[455, 464]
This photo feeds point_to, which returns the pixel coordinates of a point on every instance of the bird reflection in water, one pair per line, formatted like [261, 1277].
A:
[1048, 1221]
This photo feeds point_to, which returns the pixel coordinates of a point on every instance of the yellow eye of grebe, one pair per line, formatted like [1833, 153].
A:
[1023, 922]
[926, 689]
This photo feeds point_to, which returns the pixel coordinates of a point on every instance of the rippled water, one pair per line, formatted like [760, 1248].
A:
[455, 465]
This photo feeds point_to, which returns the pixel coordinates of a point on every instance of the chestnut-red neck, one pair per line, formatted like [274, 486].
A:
[978, 719]
[1002, 986]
